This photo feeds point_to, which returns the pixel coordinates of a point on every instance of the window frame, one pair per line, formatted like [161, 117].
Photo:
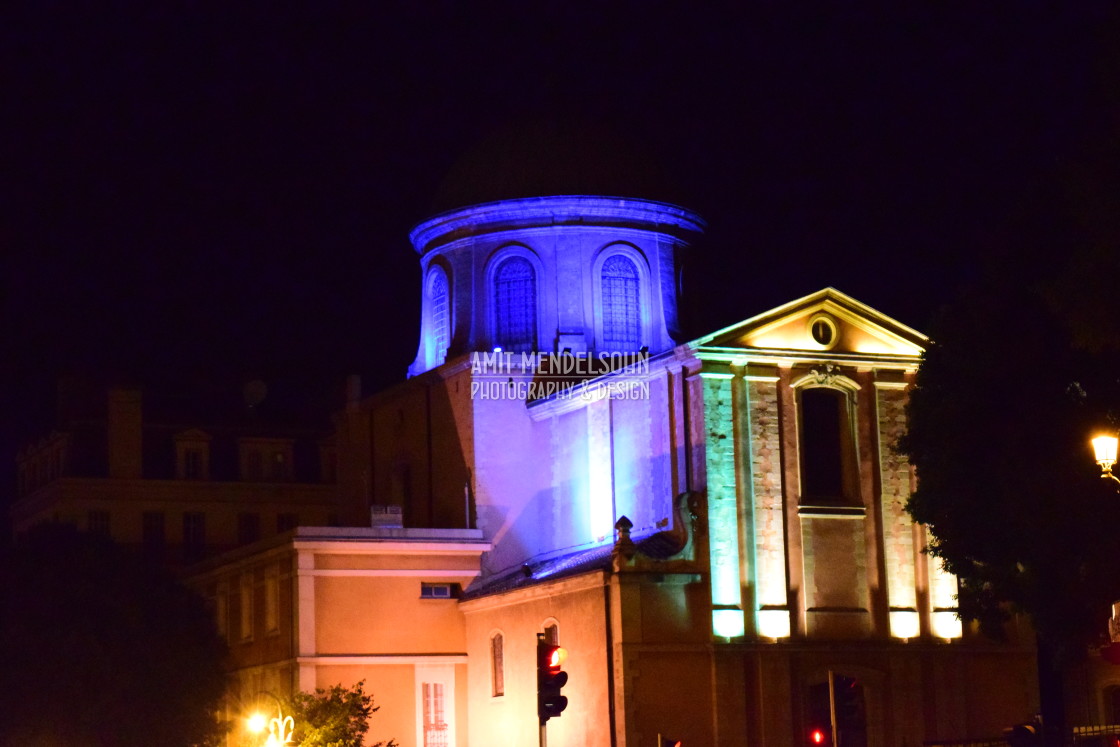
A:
[846, 390]
[494, 265]
[641, 264]
[497, 665]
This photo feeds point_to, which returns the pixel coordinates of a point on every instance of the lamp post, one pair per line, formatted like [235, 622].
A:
[1104, 450]
[280, 727]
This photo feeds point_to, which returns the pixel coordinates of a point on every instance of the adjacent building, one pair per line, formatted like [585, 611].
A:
[183, 479]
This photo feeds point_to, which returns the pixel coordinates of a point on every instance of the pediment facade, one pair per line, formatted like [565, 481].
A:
[826, 322]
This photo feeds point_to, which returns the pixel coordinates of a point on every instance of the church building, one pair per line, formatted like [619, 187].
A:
[713, 529]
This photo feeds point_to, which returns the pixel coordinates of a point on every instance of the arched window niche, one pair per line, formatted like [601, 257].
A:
[497, 665]
[621, 290]
[514, 298]
[826, 440]
[438, 291]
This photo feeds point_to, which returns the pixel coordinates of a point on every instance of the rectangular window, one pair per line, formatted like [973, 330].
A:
[435, 727]
[438, 591]
[194, 534]
[221, 609]
[246, 599]
[192, 464]
[254, 466]
[272, 599]
[248, 528]
[827, 448]
[98, 522]
[286, 521]
[278, 465]
[153, 534]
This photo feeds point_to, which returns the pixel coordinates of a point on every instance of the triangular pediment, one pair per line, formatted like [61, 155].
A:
[827, 321]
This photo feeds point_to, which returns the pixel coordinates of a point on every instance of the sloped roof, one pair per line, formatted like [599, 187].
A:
[856, 328]
[659, 545]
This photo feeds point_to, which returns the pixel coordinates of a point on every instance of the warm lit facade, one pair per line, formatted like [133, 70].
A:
[323, 606]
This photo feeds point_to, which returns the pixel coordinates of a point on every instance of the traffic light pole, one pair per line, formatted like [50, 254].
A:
[544, 734]
[832, 707]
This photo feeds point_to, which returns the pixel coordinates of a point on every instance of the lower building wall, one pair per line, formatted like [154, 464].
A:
[910, 694]
[577, 608]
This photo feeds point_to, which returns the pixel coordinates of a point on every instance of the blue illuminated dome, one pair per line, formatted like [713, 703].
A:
[575, 273]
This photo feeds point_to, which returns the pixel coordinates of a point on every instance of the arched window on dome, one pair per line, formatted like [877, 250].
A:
[515, 305]
[439, 310]
[622, 305]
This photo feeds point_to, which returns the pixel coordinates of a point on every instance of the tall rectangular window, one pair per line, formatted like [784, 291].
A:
[98, 522]
[221, 609]
[254, 466]
[246, 598]
[278, 466]
[497, 667]
[153, 534]
[194, 534]
[271, 599]
[435, 726]
[826, 441]
[192, 464]
[248, 528]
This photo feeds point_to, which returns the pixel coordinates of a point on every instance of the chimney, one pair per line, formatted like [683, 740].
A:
[125, 434]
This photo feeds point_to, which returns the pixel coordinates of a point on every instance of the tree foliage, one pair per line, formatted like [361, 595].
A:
[335, 717]
[999, 424]
[99, 648]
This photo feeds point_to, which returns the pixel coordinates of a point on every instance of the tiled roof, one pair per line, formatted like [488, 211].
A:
[659, 545]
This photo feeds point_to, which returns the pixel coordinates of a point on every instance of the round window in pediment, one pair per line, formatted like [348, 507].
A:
[822, 328]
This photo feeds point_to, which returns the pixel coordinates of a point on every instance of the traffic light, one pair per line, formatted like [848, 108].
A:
[550, 678]
[667, 742]
[820, 737]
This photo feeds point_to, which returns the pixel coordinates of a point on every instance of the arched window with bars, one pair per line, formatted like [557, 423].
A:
[515, 305]
[622, 305]
[439, 305]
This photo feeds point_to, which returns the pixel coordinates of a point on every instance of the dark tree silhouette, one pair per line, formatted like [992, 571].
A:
[99, 648]
[999, 425]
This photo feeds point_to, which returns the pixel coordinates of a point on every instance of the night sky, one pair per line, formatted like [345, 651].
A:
[193, 192]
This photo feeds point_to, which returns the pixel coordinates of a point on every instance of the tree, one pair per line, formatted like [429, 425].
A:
[998, 430]
[335, 717]
[99, 648]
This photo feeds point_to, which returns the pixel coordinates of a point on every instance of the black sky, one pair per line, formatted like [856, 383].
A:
[198, 191]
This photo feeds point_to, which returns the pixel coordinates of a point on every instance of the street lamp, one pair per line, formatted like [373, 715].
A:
[1104, 449]
[280, 727]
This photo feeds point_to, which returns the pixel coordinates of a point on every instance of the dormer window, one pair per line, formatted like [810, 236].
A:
[192, 455]
[266, 459]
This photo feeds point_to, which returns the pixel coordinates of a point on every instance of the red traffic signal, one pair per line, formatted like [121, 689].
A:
[820, 736]
[550, 679]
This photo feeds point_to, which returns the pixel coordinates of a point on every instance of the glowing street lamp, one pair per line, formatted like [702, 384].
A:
[256, 723]
[1104, 450]
[280, 727]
